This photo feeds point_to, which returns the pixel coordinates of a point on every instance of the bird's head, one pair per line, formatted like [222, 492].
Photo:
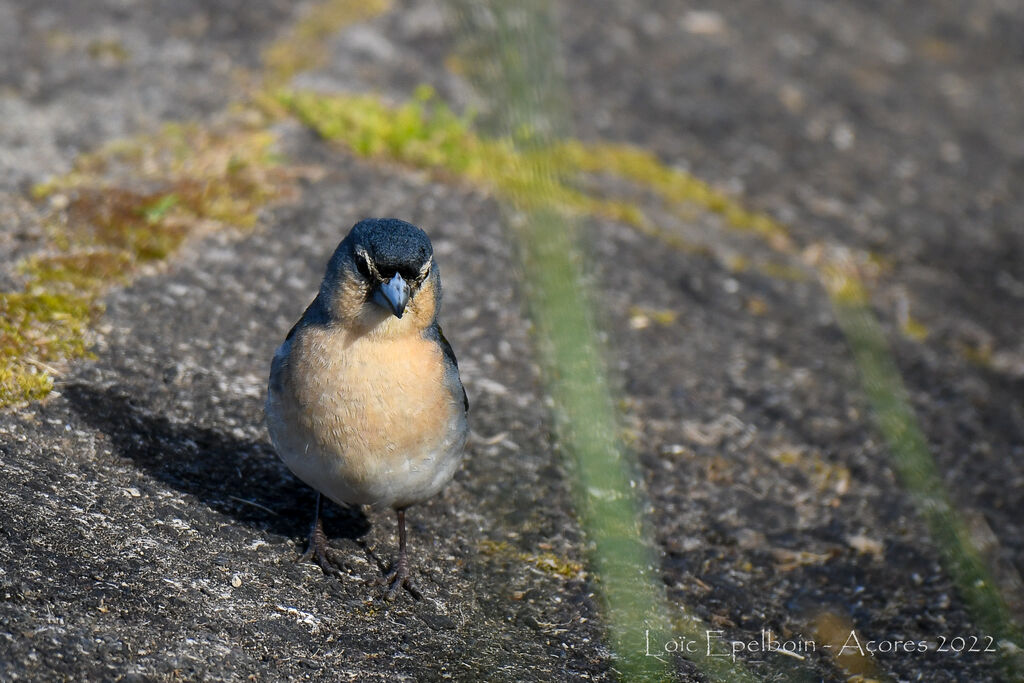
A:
[383, 275]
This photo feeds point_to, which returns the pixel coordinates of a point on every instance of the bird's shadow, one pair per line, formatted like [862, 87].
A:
[240, 478]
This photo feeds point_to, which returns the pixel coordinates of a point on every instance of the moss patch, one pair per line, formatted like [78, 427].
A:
[127, 204]
[641, 317]
[915, 329]
[425, 133]
[678, 188]
[135, 201]
[112, 51]
[303, 47]
[545, 561]
[38, 327]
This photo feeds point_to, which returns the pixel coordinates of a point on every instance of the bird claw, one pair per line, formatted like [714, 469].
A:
[396, 579]
[319, 552]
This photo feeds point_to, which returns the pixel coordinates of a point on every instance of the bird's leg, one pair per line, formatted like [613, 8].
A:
[398, 577]
[318, 549]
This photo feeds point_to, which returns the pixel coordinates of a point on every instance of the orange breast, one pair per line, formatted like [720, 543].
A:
[374, 402]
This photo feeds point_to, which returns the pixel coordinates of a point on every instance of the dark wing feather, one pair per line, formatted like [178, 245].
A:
[446, 349]
[313, 315]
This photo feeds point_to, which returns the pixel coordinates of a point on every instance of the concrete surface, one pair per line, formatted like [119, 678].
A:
[150, 533]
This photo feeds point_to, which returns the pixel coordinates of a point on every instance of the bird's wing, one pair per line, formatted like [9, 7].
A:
[277, 366]
[312, 315]
[449, 355]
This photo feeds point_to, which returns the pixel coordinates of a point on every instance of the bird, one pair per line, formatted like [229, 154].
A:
[364, 399]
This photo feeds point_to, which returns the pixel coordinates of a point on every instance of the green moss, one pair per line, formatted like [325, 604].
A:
[160, 208]
[103, 228]
[304, 47]
[915, 329]
[19, 383]
[119, 221]
[82, 271]
[223, 172]
[678, 188]
[545, 561]
[844, 286]
[112, 50]
[38, 327]
[781, 271]
[641, 316]
[135, 201]
[425, 133]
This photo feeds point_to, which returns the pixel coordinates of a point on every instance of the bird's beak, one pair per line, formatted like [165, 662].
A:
[395, 292]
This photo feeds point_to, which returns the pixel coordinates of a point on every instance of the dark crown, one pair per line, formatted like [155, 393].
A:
[392, 244]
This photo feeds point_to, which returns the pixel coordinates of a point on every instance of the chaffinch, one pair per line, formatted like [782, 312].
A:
[364, 400]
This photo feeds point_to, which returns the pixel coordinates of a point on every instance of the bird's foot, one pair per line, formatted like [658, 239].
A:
[319, 551]
[397, 579]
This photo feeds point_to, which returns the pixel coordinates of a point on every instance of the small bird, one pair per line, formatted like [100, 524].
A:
[364, 402]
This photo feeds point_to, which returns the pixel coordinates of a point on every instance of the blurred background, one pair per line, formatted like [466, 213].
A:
[736, 290]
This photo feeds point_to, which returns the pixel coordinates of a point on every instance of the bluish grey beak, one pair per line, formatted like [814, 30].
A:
[393, 294]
